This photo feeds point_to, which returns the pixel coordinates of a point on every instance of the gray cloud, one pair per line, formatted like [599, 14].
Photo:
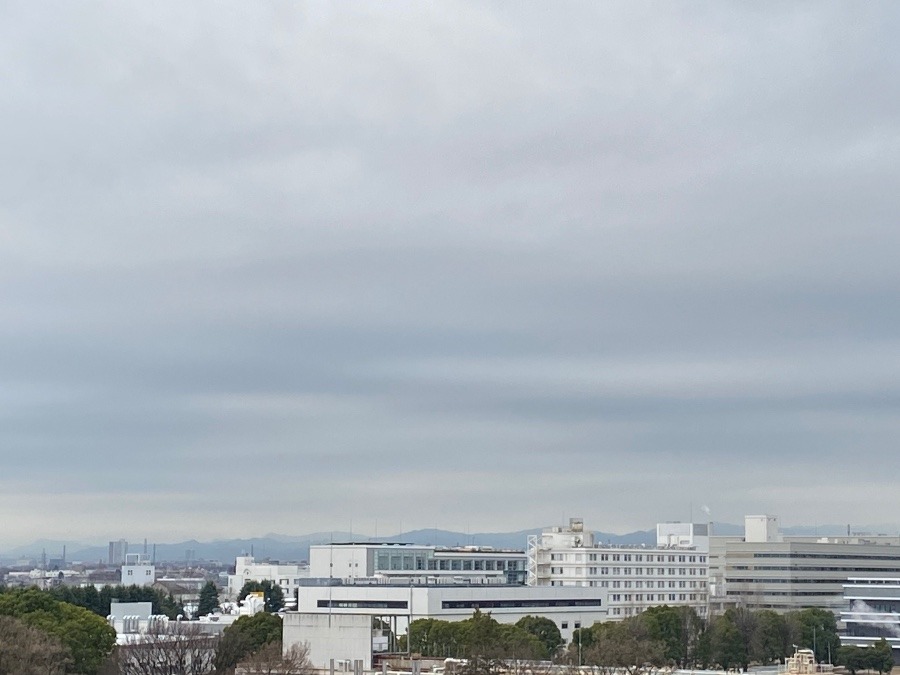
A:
[280, 267]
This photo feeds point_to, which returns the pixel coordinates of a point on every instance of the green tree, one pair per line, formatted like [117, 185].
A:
[99, 602]
[852, 658]
[703, 653]
[479, 638]
[582, 639]
[434, 637]
[880, 657]
[88, 637]
[272, 593]
[678, 628]
[209, 599]
[623, 646]
[814, 629]
[481, 635]
[247, 636]
[877, 657]
[545, 630]
[732, 637]
[518, 643]
[771, 641]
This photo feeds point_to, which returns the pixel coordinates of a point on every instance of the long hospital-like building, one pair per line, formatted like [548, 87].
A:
[674, 572]
[765, 570]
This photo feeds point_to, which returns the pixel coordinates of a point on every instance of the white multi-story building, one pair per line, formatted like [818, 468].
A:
[138, 570]
[672, 573]
[766, 570]
[367, 560]
[288, 576]
[399, 603]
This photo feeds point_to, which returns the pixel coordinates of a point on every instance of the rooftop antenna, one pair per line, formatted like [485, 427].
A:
[330, 575]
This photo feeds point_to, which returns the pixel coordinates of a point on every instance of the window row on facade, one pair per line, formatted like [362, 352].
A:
[630, 571]
[409, 562]
[627, 557]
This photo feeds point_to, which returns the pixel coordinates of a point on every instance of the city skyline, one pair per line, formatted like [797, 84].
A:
[279, 268]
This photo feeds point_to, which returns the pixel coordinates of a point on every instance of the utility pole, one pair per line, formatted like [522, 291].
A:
[814, 643]
[579, 647]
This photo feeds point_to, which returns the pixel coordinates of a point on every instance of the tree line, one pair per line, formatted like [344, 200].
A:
[481, 635]
[659, 636]
[99, 602]
[43, 634]
[736, 639]
[677, 636]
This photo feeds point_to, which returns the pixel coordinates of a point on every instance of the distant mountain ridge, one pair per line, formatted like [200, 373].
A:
[296, 547]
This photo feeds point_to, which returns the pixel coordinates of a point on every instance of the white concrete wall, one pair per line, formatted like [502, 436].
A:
[142, 574]
[330, 636]
[340, 562]
[761, 529]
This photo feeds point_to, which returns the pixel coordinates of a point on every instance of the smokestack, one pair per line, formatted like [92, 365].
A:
[848, 529]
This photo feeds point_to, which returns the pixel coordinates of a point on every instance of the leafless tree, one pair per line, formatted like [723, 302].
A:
[25, 650]
[270, 660]
[178, 648]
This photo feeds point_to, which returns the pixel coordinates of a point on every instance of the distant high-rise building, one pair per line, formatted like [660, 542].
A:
[117, 552]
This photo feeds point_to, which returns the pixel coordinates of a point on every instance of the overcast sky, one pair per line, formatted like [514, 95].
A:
[286, 267]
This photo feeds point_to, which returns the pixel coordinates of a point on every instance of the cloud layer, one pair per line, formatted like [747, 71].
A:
[284, 267]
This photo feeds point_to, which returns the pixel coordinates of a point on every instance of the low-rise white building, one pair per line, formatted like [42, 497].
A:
[400, 603]
[138, 570]
[288, 576]
[339, 641]
[373, 559]
[637, 577]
